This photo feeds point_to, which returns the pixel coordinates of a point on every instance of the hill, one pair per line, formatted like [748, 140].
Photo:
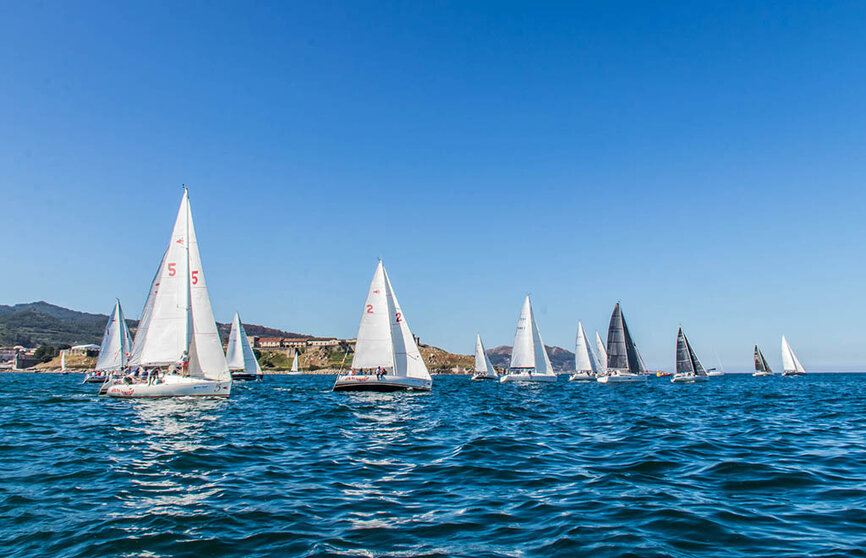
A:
[41, 323]
[561, 359]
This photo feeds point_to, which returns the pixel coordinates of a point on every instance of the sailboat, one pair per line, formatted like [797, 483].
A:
[239, 354]
[761, 366]
[585, 366]
[386, 355]
[115, 348]
[720, 370]
[484, 369]
[602, 352]
[63, 364]
[624, 364]
[177, 338]
[790, 363]
[529, 360]
[689, 368]
[294, 369]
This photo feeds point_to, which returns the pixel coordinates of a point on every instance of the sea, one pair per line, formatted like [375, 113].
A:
[738, 466]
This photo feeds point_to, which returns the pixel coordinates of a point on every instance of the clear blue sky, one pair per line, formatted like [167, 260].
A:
[703, 163]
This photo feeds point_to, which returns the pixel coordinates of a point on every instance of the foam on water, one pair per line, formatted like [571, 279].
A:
[739, 466]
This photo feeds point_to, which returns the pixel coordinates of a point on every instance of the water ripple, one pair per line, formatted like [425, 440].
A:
[737, 467]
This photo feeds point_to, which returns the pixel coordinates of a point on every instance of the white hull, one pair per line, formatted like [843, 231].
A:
[527, 378]
[484, 377]
[715, 374]
[173, 386]
[688, 379]
[382, 383]
[793, 373]
[581, 377]
[761, 374]
[622, 378]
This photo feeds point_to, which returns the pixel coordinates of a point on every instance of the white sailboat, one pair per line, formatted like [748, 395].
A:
[602, 353]
[239, 354]
[294, 369]
[115, 349]
[790, 363]
[177, 339]
[585, 366]
[720, 371]
[484, 369]
[63, 363]
[529, 360]
[386, 355]
[689, 367]
[624, 364]
[761, 366]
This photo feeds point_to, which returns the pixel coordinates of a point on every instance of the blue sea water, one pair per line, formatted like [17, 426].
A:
[740, 466]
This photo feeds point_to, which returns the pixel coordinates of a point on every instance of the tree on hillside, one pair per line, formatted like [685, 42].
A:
[45, 353]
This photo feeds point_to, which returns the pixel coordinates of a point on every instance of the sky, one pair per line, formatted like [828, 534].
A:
[702, 163]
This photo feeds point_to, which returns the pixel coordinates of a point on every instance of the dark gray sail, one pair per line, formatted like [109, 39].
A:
[696, 363]
[685, 365]
[760, 362]
[617, 354]
[621, 351]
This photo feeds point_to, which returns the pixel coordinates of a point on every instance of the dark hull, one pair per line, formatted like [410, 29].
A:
[373, 387]
[245, 377]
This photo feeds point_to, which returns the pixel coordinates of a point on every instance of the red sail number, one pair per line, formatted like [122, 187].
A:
[195, 277]
[171, 269]
[399, 317]
[369, 308]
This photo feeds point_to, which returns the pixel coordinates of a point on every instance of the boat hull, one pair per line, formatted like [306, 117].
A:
[688, 379]
[581, 378]
[244, 377]
[761, 374]
[517, 378]
[172, 387]
[483, 377]
[622, 378]
[793, 373]
[94, 379]
[715, 374]
[383, 383]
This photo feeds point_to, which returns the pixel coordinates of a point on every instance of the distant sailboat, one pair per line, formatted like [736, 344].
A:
[720, 371]
[484, 369]
[239, 354]
[602, 353]
[177, 334]
[385, 344]
[689, 368]
[63, 363]
[294, 369]
[585, 366]
[761, 366]
[790, 363]
[529, 360]
[623, 361]
[115, 349]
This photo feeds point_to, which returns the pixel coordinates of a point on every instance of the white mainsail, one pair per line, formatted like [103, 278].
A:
[528, 350]
[116, 345]
[295, 362]
[584, 360]
[483, 366]
[523, 348]
[602, 353]
[384, 337]
[63, 361]
[177, 317]
[790, 362]
[239, 353]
